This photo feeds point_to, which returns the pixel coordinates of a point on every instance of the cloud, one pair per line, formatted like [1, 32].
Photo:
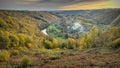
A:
[91, 5]
[52, 4]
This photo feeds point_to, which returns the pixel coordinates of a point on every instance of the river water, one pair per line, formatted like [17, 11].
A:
[44, 31]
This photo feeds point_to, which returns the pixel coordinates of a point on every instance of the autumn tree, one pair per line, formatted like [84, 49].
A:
[4, 39]
[88, 39]
[70, 43]
[55, 43]
[14, 40]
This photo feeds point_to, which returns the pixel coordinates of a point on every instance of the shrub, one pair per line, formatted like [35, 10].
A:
[101, 63]
[48, 44]
[54, 57]
[14, 40]
[21, 39]
[115, 43]
[26, 61]
[2, 23]
[29, 45]
[4, 39]
[22, 49]
[71, 43]
[24, 39]
[55, 43]
[4, 55]
[15, 52]
[88, 39]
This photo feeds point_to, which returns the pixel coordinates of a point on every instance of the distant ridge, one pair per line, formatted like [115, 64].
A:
[103, 16]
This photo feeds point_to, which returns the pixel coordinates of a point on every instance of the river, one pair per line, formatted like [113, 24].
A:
[44, 31]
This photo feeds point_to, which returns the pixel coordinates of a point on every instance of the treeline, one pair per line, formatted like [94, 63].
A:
[19, 28]
[95, 38]
[12, 40]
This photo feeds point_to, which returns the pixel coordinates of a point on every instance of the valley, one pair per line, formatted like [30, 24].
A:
[63, 39]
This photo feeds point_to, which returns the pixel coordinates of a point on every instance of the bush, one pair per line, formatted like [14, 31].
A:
[14, 40]
[4, 39]
[48, 44]
[88, 39]
[15, 52]
[101, 63]
[22, 49]
[24, 40]
[54, 57]
[26, 61]
[3, 24]
[4, 55]
[55, 43]
[115, 43]
[71, 43]
[29, 45]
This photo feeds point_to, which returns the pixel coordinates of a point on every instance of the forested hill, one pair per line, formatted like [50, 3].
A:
[28, 19]
[23, 27]
[102, 16]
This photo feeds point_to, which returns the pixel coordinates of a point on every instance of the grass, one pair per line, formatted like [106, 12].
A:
[64, 58]
[54, 52]
[85, 59]
[55, 33]
[115, 60]
[55, 28]
[100, 63]
[56, 36]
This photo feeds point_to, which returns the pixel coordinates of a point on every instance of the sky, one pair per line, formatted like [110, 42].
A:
[58, 4]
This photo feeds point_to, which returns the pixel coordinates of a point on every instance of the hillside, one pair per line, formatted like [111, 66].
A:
[94, 58]
[63, 39]
[41, 19]
[27, 24]
[76, 22]
[103, 16]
